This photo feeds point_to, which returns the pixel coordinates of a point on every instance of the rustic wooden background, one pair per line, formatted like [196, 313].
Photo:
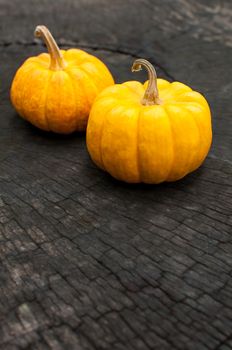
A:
[87, 262]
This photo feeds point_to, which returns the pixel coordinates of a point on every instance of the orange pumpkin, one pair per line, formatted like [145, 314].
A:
[150, 133]
[55, 91]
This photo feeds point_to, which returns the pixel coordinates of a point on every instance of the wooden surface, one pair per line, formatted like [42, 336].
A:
[87, 262]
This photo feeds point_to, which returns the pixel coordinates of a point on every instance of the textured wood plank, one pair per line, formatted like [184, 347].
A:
[88, 262]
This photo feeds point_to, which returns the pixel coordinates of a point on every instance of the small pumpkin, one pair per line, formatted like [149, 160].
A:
[55, 91]
[150, 133]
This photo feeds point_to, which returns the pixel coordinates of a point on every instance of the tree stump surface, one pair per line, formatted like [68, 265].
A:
[88, 262]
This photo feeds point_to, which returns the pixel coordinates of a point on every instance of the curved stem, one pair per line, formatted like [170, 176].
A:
[57, 61]
[151, 96]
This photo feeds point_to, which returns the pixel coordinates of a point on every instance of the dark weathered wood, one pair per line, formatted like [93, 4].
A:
[88, 262]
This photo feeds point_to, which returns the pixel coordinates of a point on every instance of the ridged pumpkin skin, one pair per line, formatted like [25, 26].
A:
[59, 100]
[149, 144]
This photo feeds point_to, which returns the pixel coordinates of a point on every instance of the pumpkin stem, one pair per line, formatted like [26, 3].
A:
[151, 96]
[57, 62]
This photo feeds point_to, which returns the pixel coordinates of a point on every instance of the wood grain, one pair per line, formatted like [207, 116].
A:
[88, 262]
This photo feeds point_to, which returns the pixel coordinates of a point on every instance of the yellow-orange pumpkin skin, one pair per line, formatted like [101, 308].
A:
[149, 143]
[59, 100]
